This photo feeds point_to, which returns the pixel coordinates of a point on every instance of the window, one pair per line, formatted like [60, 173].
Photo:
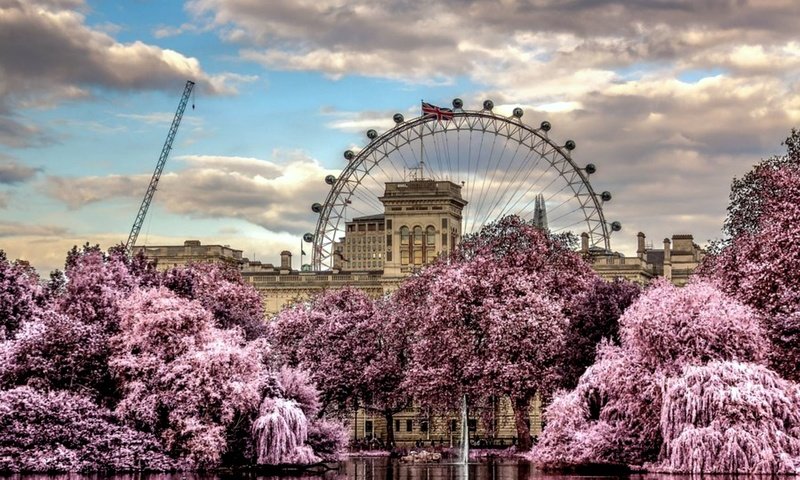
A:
[405, 245]
[397, 425]
[423, 426]
[453, 425]
[430, 244]
[473, 425]
[389, 240]
[409, 425]
[368, 428]
[418, 250]
[388, 224]
[444, 223]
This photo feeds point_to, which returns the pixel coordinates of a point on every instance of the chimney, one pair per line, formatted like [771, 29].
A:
[585, 242]
[640, 244]
[286, 261]
[667, 260]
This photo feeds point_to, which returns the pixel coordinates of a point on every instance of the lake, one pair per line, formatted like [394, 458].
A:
[379, 468]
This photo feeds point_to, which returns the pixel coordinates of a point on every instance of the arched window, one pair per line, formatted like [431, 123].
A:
[430, 244]
[417, 248]
[405, 245]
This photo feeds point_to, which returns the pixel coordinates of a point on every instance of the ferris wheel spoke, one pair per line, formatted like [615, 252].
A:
[497, 178]
[501, 189]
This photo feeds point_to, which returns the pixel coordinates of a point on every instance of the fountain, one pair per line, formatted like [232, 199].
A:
[463, 457]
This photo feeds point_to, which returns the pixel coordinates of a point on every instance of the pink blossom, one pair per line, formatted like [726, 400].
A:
[730, 417]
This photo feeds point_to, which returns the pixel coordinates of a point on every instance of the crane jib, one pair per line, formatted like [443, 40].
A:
[162, 160]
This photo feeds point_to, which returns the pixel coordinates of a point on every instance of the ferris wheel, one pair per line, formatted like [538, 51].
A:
[503, 165]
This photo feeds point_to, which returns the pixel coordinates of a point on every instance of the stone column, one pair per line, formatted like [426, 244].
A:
[667, 260]
[286, 261]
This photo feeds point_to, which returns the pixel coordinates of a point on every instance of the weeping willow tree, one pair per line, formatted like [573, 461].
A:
[280, 433]
[730, 417]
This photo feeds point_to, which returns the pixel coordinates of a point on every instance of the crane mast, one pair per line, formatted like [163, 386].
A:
[162, 160]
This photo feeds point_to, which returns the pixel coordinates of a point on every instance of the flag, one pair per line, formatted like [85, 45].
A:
[440, 113]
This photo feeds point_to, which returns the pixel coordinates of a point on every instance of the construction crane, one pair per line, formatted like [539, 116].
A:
[151, 189]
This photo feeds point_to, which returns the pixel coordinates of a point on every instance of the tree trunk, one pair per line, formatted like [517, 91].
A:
[387, 414]
[522, 407]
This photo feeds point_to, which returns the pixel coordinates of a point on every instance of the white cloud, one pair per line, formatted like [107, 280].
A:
[48, 54]
[276, 195]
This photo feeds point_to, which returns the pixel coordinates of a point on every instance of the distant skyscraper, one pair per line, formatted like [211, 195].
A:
[540, 212]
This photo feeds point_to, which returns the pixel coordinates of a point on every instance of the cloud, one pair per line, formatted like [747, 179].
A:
[46, 248]
[12, 172]
[48, 54]
[17, 229]
[359, 122]
[274, 194]
[448, 38]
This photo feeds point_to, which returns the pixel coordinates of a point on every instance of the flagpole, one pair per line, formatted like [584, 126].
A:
[421, 152]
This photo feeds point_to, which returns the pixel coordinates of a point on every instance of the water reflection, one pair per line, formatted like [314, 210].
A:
[501, 469]
[380, 468]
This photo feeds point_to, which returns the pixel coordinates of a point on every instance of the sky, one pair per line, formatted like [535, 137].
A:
[670, 99]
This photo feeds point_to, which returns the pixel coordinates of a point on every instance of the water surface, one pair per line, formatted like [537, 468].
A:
[378, 468]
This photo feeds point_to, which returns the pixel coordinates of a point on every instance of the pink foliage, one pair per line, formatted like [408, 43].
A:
[298, 386]
[593, 316]
[184, 382]
[610, 418]
[328, 438]
[280, 433]
[183, 379]
[55, 351]
[670, 327]
[614, 414]
[222, 291]
[730, 417]
[60, 431]
[95, 285]
[490, 322]
[20, 293]
[336, 338]
[759, 265]
[484, 332]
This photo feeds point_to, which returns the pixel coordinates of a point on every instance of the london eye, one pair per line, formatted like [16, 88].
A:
[504, 167]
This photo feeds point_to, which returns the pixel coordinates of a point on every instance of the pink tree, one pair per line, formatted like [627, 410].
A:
[613, 416]
[610, 418]
[20, 295]
[490, 321]
[95, 285]
[730, 417]
[758, 264]
[354, 351]
[670, 327]
[221, 290]
[593, 316]
[64, 432]
[182, 379]
[54, 351]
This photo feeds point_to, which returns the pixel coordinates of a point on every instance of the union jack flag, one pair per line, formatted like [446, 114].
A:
[440, 113]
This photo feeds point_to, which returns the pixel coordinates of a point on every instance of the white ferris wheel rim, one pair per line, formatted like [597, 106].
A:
[332, 214]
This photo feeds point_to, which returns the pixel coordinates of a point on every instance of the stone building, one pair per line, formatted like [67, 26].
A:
[191, 251]
[675, 261]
